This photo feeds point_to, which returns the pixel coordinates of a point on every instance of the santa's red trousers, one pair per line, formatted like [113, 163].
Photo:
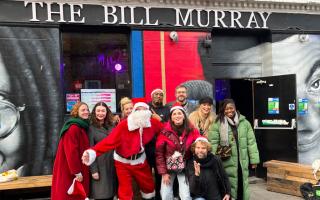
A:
[141, 174]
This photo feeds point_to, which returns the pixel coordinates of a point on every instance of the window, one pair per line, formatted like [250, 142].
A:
[96, 61]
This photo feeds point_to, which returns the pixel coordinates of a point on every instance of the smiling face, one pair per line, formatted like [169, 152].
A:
[181, 94]
[177, 117]
[101, 113]
[11, 146]
[205, 108]
[201, 150]
[127, 109]
[230, 110]
[83, 112]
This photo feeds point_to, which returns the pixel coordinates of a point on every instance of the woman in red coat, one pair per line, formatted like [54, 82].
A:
[175, 140]
[67, 165]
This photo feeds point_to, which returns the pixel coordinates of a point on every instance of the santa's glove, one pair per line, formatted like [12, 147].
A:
[88, 157]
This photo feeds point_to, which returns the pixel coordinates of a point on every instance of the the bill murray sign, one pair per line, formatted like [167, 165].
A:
[51, 12]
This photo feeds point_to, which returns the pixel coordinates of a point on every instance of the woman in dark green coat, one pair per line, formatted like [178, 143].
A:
[233, 129]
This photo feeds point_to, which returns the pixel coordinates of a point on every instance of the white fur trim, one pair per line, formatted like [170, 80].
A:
[140, 160]
[92, 156]
[71, 188]
[148, 195]
[140, 104]
[156, 90]
[177, 107]
[316, 167]
[203, 139]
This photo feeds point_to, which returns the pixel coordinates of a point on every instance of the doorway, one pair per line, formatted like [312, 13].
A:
[269, 105]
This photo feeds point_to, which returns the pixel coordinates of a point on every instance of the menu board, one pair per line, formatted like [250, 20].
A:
[273, 106]
[93, 96]
[71, 99]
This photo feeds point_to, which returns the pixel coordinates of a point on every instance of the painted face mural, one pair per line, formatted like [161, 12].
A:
[31, 108]
[300, 55]
[292, 55]
[11, 137]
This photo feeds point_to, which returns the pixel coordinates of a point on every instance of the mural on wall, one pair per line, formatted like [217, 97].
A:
[286, 54]
[31, 108]
[299, 54]
[172, 58]
[188, 59]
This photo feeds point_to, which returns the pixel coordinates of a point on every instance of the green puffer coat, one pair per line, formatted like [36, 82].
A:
[248, 150]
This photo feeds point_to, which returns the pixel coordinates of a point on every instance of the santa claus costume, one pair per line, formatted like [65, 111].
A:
[129, 139]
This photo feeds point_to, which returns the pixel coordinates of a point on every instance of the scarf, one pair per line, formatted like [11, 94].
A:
[224, 128]
[83, 123]
[205, 163]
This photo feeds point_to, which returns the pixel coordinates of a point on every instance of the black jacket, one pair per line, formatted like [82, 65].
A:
[213, 182]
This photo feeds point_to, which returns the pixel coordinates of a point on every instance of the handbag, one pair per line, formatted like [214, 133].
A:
[224, 152]
[175, 163]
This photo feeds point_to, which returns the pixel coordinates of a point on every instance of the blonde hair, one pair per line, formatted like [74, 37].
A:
[75, 109]
[199, 123]
[124, 101]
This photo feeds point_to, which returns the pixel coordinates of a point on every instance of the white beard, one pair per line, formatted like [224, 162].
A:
[139, 119]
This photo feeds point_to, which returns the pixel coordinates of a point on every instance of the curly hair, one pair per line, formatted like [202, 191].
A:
[208, 146]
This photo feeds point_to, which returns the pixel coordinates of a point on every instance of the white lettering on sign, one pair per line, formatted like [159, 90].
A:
[147, 16]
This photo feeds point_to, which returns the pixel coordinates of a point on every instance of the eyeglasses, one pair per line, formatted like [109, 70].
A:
[9, 117]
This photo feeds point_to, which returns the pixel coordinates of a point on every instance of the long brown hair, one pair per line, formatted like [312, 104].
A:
[108, 121]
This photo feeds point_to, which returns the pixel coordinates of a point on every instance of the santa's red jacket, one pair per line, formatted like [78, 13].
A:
[125, 142]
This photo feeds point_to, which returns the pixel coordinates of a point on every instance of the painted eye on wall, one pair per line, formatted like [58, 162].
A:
[314, 86]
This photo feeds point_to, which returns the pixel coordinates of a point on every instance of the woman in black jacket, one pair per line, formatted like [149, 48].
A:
[207, 178]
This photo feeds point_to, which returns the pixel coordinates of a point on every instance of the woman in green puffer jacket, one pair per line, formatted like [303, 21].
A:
[233, 129]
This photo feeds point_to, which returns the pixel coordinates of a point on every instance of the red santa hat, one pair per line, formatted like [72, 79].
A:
[176, 106]
[156, 90]
[77, 190]
[138, 99]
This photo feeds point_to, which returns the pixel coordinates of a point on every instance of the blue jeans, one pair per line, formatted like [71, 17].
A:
[166, 191]
[199, 198]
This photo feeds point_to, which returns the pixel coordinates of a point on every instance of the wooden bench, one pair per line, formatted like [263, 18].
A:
[27, 182]
[286, 177]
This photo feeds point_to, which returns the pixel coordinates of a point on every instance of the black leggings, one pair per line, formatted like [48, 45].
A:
[240, 183]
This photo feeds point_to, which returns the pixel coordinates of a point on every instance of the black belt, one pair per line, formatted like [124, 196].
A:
[134, 156]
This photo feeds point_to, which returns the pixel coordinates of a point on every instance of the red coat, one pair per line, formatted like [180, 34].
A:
[165, 146]
[68, 163]
[125, 142]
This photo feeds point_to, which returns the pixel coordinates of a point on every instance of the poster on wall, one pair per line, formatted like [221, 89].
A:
[273, 106]
[93, 96]
[71, 99]
[303, 106]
